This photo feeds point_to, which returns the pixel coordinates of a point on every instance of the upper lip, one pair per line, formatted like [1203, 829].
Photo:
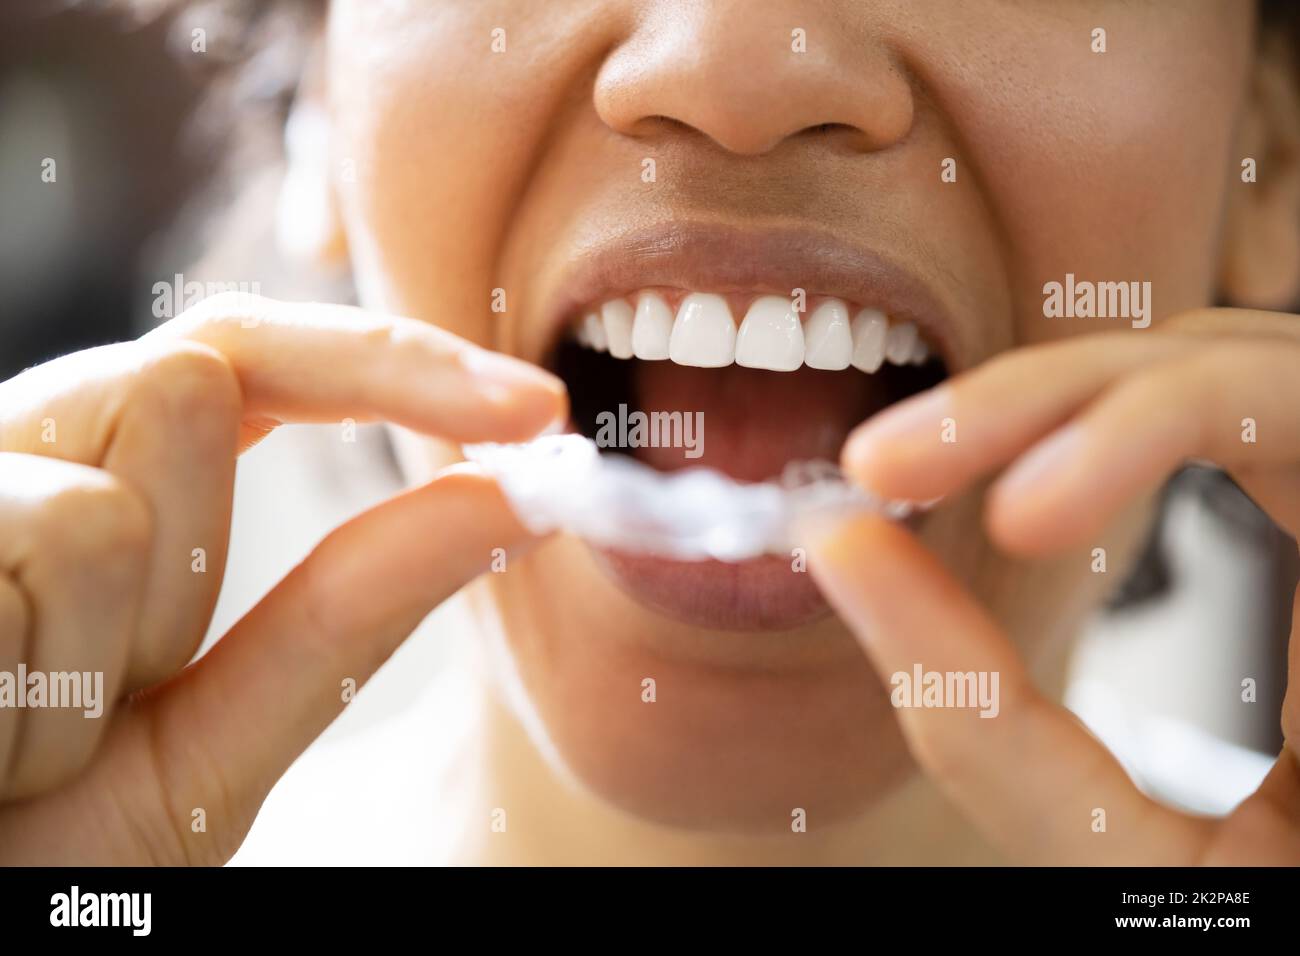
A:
[709, 257]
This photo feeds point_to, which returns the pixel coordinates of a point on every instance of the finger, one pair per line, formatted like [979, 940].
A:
[231, 724]
[1237, 404]
[1030, 776]
[1234, 323]
[935, 443]
[309, 362]
[939, 441]
[75, 543]
[163, 417]
[300, 362]
[177, 421]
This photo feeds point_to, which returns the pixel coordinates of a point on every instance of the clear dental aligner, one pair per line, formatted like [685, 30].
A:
[563, 483]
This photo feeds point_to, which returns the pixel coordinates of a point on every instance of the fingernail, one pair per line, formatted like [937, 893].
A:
[815, 529]
[1042, 463]
[500, 377]
[836, 550]
[834, 538]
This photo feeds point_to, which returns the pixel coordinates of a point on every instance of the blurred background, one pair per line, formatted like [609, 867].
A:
[127, 123]
[114, 109]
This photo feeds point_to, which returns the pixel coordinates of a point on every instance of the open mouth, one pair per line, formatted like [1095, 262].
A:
[743, 397]
[686, 353]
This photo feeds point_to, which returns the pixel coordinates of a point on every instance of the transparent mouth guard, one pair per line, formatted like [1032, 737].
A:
[563, 483]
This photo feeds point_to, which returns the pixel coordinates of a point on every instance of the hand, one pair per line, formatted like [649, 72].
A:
[1082, 427]
[118, 462]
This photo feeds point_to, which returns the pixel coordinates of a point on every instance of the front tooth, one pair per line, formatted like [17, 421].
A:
[899, 342]
[828, 343]
[616, 317]
[652, 326]
[595, 330]
[704, 334]
[771, 336]
[920, 352]
[869, 329]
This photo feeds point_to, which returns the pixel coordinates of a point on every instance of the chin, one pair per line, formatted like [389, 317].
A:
[745, 727]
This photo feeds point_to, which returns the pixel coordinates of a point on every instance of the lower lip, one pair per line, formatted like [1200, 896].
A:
[762, 594]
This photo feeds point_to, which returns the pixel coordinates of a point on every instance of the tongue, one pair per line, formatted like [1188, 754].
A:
[753, 422]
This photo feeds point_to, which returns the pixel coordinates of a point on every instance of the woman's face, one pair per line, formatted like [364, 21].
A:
[464, 170]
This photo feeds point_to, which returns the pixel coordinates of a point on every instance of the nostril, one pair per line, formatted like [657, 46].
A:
[822, 128]
[832, 134]
[666, 124]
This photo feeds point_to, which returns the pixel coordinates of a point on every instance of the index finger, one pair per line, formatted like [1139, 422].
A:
[314, 362]
[934, 443]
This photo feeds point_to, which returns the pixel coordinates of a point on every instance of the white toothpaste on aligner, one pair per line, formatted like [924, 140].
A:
[563, 483]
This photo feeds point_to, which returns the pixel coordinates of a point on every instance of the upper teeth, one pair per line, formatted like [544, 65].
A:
[616, 317]
[771, 336]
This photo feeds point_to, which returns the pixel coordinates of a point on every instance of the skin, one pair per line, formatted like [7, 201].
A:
[470, 171]
[1045, 501]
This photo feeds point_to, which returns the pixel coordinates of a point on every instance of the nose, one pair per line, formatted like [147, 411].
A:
[751, 75]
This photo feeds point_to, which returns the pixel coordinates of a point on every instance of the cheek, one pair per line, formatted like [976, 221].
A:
[411, 248]
[433, 135]
[1109, 165]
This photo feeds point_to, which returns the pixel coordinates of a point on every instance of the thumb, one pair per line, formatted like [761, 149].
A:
[240, 716]
[1021, 768]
